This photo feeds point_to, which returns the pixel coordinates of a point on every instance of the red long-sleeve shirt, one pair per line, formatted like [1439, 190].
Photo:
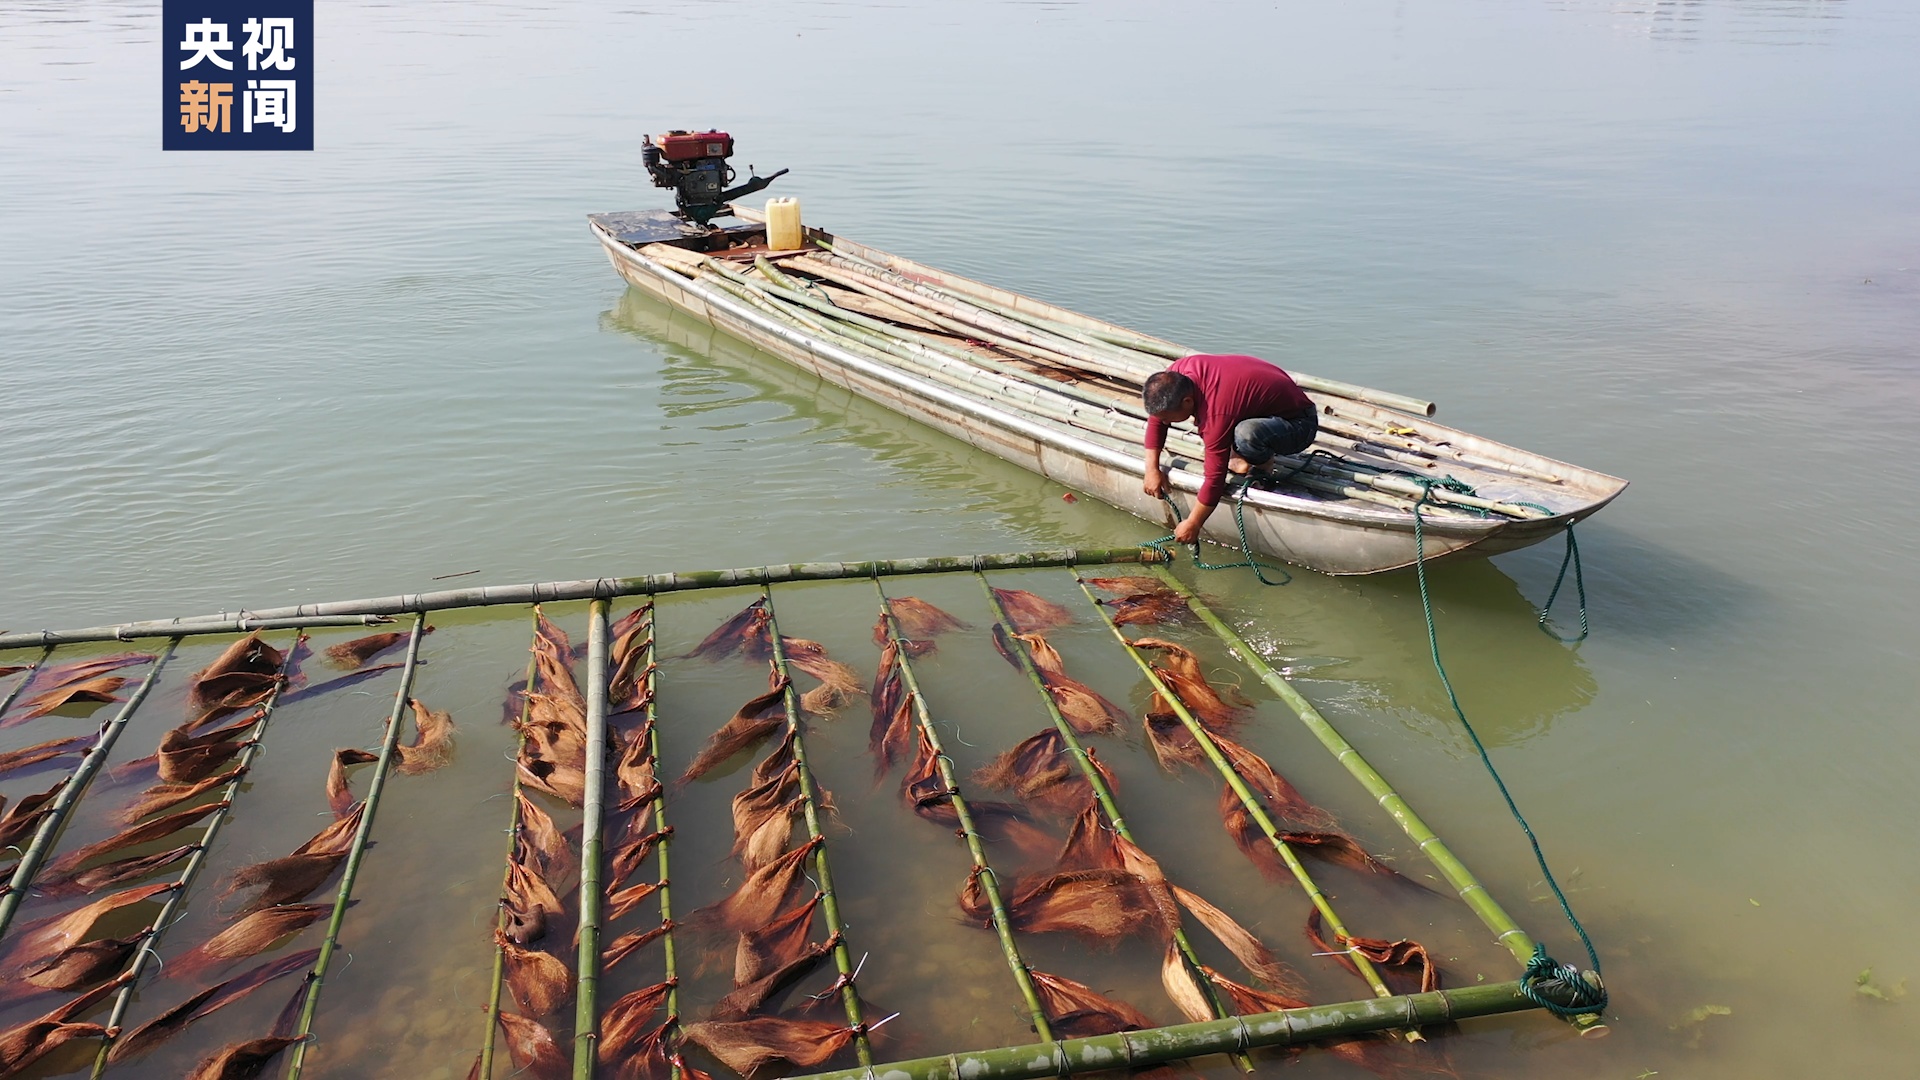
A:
[1229, 389]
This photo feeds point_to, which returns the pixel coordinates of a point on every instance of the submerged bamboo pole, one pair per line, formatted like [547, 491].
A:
[1101, 792]
[1132, 1050]
[27, 677]
[123, 1000]
[1469, 888]
[668, 956]
[1238, 784]
[605, 588]
[297, 1054]
[70, 792]
[586, 1016]
[976, 847]
[810, 810]
[484, 1071]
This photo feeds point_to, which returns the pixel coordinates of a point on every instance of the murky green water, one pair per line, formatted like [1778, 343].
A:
[1678, 242]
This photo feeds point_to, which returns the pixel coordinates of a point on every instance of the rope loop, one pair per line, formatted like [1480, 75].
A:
[1572, 557]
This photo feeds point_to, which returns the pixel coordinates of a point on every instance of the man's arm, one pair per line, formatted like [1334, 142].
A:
[1213, 485]
[1153, 480]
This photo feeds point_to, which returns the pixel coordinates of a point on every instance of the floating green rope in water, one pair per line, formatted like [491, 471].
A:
[1542, 970]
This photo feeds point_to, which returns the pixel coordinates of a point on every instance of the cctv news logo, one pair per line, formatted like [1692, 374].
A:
[236, 76]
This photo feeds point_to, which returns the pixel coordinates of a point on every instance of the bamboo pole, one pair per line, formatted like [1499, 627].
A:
[202, 626]
[70, 792]
[1238, 784]
[666, 837]
[1132, 1050]
[810, 808]
[606, 588]
[1107, 360]
[974, 293]
[1101, 791]
[32, 670]
[297, 1054]
[915, 345]
[1471, 891]
[586, 1015]
[976, 847]
[498, 976]
[949, 366]
[123, 1000]
[1127, 341]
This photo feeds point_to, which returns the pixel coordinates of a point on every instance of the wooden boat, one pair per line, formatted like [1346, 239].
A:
[1057, 392]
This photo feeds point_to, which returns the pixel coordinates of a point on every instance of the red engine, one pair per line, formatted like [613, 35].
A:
[693, 164]
[693, 145]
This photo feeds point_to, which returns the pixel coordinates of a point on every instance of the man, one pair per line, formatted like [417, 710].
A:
[1247, 411]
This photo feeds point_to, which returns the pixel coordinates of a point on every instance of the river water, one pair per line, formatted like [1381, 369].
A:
[1678, 242]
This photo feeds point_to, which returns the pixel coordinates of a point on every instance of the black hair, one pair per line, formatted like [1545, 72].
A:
[1165, 390]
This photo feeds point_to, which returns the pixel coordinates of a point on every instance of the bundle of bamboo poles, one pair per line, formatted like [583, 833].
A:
[1048, 370]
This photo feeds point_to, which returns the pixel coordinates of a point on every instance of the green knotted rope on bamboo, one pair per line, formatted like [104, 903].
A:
[1542, 970]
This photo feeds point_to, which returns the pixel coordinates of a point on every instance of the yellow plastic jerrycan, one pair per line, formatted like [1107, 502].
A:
[783, 224]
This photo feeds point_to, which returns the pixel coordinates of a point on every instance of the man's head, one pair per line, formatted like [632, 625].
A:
[1169, 396]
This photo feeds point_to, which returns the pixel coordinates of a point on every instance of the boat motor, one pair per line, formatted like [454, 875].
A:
[694, 165]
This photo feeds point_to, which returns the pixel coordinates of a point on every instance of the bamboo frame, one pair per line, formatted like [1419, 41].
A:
[123, 1000]
[71, 791]
[586, 1017]
[1101, 792]
[810, 807]
[989, 878]
[1474, 894]
[316, 979]
[484, 1071]
[1238, 784]
[1130, 1050]
[589, 589]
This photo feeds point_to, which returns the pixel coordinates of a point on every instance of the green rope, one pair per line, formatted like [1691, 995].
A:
[1164, 545]
[1542, 971]
[1580, 585]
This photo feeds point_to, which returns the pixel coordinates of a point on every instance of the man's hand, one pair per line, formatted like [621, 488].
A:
[1154, 482]
[1188, 531]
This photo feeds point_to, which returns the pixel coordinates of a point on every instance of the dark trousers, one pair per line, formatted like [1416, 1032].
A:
[1260, 438]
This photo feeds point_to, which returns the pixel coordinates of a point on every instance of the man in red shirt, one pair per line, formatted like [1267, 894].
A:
[1247, 411]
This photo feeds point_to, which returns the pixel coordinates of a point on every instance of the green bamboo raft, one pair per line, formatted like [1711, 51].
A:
[590, 734]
